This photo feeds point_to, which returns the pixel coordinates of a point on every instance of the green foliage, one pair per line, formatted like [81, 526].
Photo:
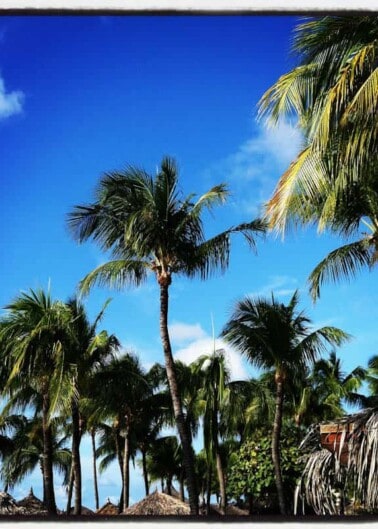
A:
[251, 471]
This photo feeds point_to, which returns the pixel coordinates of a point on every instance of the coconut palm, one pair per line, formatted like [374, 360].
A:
[34, 330]
[124, 397]
[277, 336]
[148, 226]
[333, 180]
[164, 461]
[27, 453]
[214, 394]
[86, 352]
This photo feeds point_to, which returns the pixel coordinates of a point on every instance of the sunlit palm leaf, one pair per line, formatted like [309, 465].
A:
[342, 262]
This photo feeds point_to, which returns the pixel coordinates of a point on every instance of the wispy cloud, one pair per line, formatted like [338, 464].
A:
[254, 167]
[11, 103]
[281, 286]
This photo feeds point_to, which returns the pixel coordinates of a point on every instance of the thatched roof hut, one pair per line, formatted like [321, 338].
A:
[109, 509]
[32, 504]
[8, 505]
[158, 504]
[342, 456]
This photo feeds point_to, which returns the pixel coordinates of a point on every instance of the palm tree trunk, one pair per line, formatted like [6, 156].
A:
[126, 470]
[169, 486]
[183, 431]
[182, 490]
[70, 489]
[120, 463]
[208, 496]
[145, 473]
[222, 483]
[95, 484]
[76, 464]
[276, 443]
[220, 472]
[48, 477]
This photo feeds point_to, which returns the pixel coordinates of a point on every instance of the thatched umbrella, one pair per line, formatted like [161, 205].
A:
[158, 504]
[32, 504]
[109, 509]
[8, 505]
[342, 456]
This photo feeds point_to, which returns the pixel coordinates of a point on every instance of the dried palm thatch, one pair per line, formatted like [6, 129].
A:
[32, 504]
[109, 509]
[348, 470]
[8, 505]
[158, 504]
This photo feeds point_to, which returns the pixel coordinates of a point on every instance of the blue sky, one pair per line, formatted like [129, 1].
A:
[80, 95]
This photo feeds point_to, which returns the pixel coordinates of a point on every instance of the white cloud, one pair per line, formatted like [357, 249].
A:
[205, 345]
[181, 333]
[10, 102]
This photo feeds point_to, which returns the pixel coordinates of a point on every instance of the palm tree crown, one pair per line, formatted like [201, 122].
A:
[333, 180]
[146, 224]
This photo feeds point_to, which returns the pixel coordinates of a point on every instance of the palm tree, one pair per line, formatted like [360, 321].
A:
[34, 330]
[87, 352]
[27, 453]
[276, 336]
[333, 180]
[148, 226]
[164, 461]
[124, 396]
[214, 394]
[155, 411]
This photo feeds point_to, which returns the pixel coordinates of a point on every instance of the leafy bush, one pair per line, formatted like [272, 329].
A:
[251, 471]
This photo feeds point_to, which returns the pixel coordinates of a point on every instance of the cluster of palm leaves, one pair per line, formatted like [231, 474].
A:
[69, 380]
[333, 181]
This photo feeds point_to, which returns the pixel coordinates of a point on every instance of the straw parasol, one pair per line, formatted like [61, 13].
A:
[8, 505]
[158, 504]
[346, 461]
[32, 504]
[109, 509]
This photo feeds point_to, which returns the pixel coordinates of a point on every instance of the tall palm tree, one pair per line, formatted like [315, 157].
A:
[214, 393]
[124, 396]
[276, 336]
[87, 352]
[34, 330]
[333, 180]
[148, 226]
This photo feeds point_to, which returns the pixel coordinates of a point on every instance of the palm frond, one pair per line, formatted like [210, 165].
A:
[342, 262]
[115, 274]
